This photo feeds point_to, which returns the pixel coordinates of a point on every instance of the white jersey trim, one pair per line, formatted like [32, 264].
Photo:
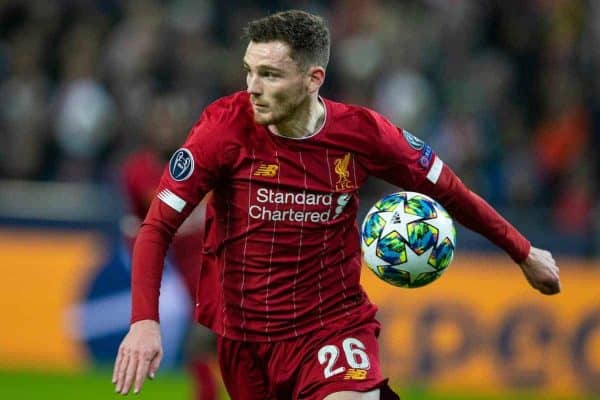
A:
[172, 200]
[436, 170]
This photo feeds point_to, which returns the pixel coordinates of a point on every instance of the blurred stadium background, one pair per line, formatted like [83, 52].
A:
[507, 92]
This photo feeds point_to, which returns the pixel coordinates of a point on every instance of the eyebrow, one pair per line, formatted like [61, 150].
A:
[263, 67]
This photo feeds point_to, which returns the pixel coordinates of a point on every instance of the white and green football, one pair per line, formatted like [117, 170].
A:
[408, 239]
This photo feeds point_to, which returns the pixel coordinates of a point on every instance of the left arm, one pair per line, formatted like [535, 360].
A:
[406, 161]
[541, 271]
[475, 213]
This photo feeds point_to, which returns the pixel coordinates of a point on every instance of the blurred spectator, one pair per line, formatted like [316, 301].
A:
[509, 93]
[23, 111]
[85, 112]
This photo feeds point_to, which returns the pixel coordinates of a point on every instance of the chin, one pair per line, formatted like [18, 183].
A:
[262, 119]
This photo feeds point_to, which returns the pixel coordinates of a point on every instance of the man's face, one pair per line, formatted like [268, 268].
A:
[276, 83]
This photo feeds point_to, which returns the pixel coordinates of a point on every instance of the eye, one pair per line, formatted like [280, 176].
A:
[269, 74]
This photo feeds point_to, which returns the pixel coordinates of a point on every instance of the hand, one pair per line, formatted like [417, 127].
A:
[541, 271]
[139, 356]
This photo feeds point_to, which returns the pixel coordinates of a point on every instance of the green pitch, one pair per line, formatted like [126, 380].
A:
[90, 386]
[172, 386]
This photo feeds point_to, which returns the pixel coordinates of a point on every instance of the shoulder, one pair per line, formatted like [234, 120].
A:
[360, 118]
[359, 124]
[233, 109]
[220, 130]
[224, 118]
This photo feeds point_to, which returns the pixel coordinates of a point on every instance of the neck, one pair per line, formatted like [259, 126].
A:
[305, 121]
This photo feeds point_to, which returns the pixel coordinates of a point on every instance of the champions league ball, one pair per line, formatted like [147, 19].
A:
[408, 239]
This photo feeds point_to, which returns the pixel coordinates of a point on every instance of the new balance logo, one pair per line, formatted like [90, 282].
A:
[267, 170]
[356, 374]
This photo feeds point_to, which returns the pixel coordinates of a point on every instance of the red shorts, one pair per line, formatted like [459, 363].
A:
[338, 358]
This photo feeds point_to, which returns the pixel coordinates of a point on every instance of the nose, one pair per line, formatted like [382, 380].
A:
[253, 83]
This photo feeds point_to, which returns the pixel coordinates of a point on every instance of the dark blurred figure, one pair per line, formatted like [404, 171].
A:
[85, 113]
[23, 111]
[508, 89]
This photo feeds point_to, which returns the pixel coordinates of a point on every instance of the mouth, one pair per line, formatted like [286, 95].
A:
[260, 107]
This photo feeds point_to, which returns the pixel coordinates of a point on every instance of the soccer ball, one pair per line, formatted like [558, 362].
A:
[408, 239]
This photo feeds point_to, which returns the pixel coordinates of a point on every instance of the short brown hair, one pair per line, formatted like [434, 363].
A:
[306, 34]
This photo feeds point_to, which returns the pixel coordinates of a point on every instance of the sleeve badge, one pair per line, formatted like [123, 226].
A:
[181, 165]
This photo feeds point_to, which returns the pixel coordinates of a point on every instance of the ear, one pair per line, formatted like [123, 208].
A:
[315, 78]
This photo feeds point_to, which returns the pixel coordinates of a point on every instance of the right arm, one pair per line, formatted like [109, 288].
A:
[140, 352]
[191, 173]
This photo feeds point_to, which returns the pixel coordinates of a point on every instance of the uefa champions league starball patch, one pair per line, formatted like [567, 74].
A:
[412, 140]
[181, 165]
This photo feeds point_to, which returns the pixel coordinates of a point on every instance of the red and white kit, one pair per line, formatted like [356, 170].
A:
[281, 248]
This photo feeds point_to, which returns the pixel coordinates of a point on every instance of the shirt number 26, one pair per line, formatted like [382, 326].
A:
[353, 351]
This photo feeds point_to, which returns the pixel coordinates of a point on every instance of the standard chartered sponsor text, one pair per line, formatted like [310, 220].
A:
[264, 195]
[285, 202]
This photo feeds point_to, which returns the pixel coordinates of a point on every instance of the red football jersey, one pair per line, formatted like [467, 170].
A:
[282, 225]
